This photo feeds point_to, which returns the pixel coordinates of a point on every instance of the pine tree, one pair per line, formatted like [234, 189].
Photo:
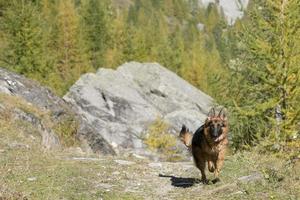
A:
[202, 68]
[175, 51]
[24, 49]
[114, 55]
[266, 94]
[168, 8]
[3, 6]
[181, 9]
[72, 57]
[47, 12]
[96, 20]
[132, 16]
[212, 16]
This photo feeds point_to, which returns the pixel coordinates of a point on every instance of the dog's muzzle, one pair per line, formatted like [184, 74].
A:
[215, 132]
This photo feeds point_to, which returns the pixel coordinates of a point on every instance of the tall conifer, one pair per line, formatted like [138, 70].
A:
[72, 59]
[267, 93]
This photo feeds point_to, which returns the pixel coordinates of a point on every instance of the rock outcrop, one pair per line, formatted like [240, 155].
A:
[35, 95]
[112, 108]
[232, 9]
[120, 104]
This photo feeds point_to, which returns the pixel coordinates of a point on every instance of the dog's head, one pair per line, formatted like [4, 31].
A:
[216, 125]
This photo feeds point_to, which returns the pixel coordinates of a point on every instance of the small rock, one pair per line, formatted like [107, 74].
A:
[200, 26]
[32, 179]
[114, 145]
[85, 159]
[238, 192]
[139, 156]
[32, 137]
[155, 165]
[16, 145]
[124, 162]
[252, 177]
[116, 173]
[75, 150]
[104, 185]
[1, 107]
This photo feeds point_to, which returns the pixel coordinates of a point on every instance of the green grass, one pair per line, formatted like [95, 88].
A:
[280, 177]
[27, 171]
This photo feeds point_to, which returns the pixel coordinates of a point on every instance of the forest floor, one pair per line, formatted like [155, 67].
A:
[29, 172]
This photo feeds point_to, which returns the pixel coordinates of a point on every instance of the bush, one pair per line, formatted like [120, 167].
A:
[160, 139]
[66, 129]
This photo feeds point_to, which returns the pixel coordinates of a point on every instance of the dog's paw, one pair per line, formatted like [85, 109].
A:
[205, 181]
[214, 181]
[197, 181]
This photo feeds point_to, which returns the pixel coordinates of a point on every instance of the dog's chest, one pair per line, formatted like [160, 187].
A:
[212, 151]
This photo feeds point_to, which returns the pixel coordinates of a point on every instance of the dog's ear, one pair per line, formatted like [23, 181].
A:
[211, 113]
[223, 114]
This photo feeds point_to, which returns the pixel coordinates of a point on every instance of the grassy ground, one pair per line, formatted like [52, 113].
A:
[27, 171]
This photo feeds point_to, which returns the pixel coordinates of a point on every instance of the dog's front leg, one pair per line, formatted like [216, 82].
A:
[200, 163]
[218, 165]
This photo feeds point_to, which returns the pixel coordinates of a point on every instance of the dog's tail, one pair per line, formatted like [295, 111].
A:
[186, 136]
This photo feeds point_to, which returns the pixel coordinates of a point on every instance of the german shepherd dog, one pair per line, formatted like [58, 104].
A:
[208, 143]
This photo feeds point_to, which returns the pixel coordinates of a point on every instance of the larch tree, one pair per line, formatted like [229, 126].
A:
[266, 92]
[23, 52]
[72, 57]
[96, 16]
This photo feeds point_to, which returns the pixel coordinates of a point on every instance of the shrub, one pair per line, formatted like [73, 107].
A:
[160, 139]
[66, 129]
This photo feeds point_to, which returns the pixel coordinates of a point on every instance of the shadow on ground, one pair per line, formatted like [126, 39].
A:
[181, 182]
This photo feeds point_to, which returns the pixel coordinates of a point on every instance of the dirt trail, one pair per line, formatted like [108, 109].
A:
[142, 178]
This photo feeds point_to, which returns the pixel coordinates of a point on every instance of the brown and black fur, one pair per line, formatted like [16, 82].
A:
[208, 144]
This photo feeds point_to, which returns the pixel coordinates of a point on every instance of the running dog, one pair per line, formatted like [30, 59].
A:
[208, 144]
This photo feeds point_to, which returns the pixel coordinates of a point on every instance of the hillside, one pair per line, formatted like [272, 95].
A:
[187, 38]
[28, 172]
[34, 166]
[93, 94]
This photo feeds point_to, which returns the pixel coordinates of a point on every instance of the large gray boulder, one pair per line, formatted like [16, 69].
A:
[121, 104]
[31, 92]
